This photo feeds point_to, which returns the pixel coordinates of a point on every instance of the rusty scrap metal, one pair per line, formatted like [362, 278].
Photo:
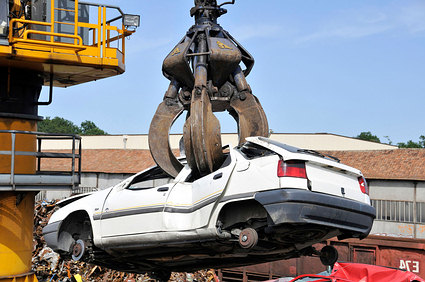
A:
[206, 77]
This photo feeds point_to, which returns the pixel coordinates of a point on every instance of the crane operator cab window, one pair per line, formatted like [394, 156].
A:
[4, 12]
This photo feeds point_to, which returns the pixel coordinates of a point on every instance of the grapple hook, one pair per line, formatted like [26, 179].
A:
[159, 144]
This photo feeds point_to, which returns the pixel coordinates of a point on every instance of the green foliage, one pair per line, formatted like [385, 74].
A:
[388, 140]
[368, 136]
[58, 125]
[61, 125]
[412, 144]
[89, 128]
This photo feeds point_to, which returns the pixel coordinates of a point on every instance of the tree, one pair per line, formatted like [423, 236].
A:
[368, 136]
[89, 128]
[64, 126]
[412, 144]
[58, 125]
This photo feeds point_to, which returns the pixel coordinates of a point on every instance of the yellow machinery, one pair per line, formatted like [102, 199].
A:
[54, 43]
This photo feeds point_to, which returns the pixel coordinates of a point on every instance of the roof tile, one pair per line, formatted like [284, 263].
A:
[399, 164]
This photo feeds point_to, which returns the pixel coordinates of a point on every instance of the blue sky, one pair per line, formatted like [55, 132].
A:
[332, 66]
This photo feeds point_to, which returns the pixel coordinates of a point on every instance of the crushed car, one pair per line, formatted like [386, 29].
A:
[268, 201]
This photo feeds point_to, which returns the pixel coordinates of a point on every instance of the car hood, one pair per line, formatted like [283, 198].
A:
[72, 199]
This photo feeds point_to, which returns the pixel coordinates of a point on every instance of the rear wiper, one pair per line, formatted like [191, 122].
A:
[309, 151]
[313, 152]
[332, 157]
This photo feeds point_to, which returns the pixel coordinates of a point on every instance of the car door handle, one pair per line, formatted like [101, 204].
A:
[218, 176]
[162, 189]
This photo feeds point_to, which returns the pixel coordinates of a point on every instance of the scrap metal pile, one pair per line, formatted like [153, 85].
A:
[49, 266]
[206, 76]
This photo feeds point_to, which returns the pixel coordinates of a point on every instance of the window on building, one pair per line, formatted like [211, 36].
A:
[420, 211]
[400, 211]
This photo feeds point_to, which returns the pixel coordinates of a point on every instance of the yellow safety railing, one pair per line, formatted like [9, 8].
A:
[24, 37]
[101, 37]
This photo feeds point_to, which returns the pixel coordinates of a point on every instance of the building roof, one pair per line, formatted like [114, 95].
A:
[104, 160]
[400, 164]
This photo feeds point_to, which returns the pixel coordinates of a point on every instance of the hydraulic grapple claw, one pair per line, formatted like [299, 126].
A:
[202, 139]
[205, 65]
[251, 119]
[159, 145]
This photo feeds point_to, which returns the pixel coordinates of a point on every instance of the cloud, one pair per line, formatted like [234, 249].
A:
[413, 17]
[398, 18]
[344, 32]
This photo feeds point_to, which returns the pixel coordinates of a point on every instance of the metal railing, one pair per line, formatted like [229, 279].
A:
[42, 179]
[101, 37]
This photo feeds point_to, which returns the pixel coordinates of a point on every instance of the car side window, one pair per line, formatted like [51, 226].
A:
[149, 179]
[251, 151]
[191, 178]
[141, 185]
[147, 184]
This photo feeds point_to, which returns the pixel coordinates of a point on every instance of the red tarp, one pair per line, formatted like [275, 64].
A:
[357, 272]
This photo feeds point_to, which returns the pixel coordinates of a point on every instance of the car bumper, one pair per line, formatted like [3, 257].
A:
[305, 207]
[50, 234]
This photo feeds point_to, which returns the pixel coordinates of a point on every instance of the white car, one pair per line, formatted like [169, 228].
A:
[268, 201]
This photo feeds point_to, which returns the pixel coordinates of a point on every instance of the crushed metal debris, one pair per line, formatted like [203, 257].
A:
[49, 266]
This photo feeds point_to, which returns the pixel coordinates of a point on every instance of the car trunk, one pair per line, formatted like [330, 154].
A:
[333, 180]
[325, 174]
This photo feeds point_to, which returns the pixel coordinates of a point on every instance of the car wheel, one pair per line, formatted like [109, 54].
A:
[248, 238]
[78, 250]
[75, 237]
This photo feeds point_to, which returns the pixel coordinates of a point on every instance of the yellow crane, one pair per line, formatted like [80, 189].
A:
[52, 43]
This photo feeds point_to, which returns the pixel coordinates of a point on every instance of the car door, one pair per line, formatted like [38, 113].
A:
[135, 208]
[190, 204]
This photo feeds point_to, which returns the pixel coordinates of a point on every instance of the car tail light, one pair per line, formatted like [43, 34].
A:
[363, 185]
[291, 169]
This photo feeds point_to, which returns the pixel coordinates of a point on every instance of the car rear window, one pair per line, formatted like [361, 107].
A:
[251, 151]
[298, 150]
[280, 145]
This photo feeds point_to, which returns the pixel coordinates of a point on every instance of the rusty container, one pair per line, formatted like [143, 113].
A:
[404, 253]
